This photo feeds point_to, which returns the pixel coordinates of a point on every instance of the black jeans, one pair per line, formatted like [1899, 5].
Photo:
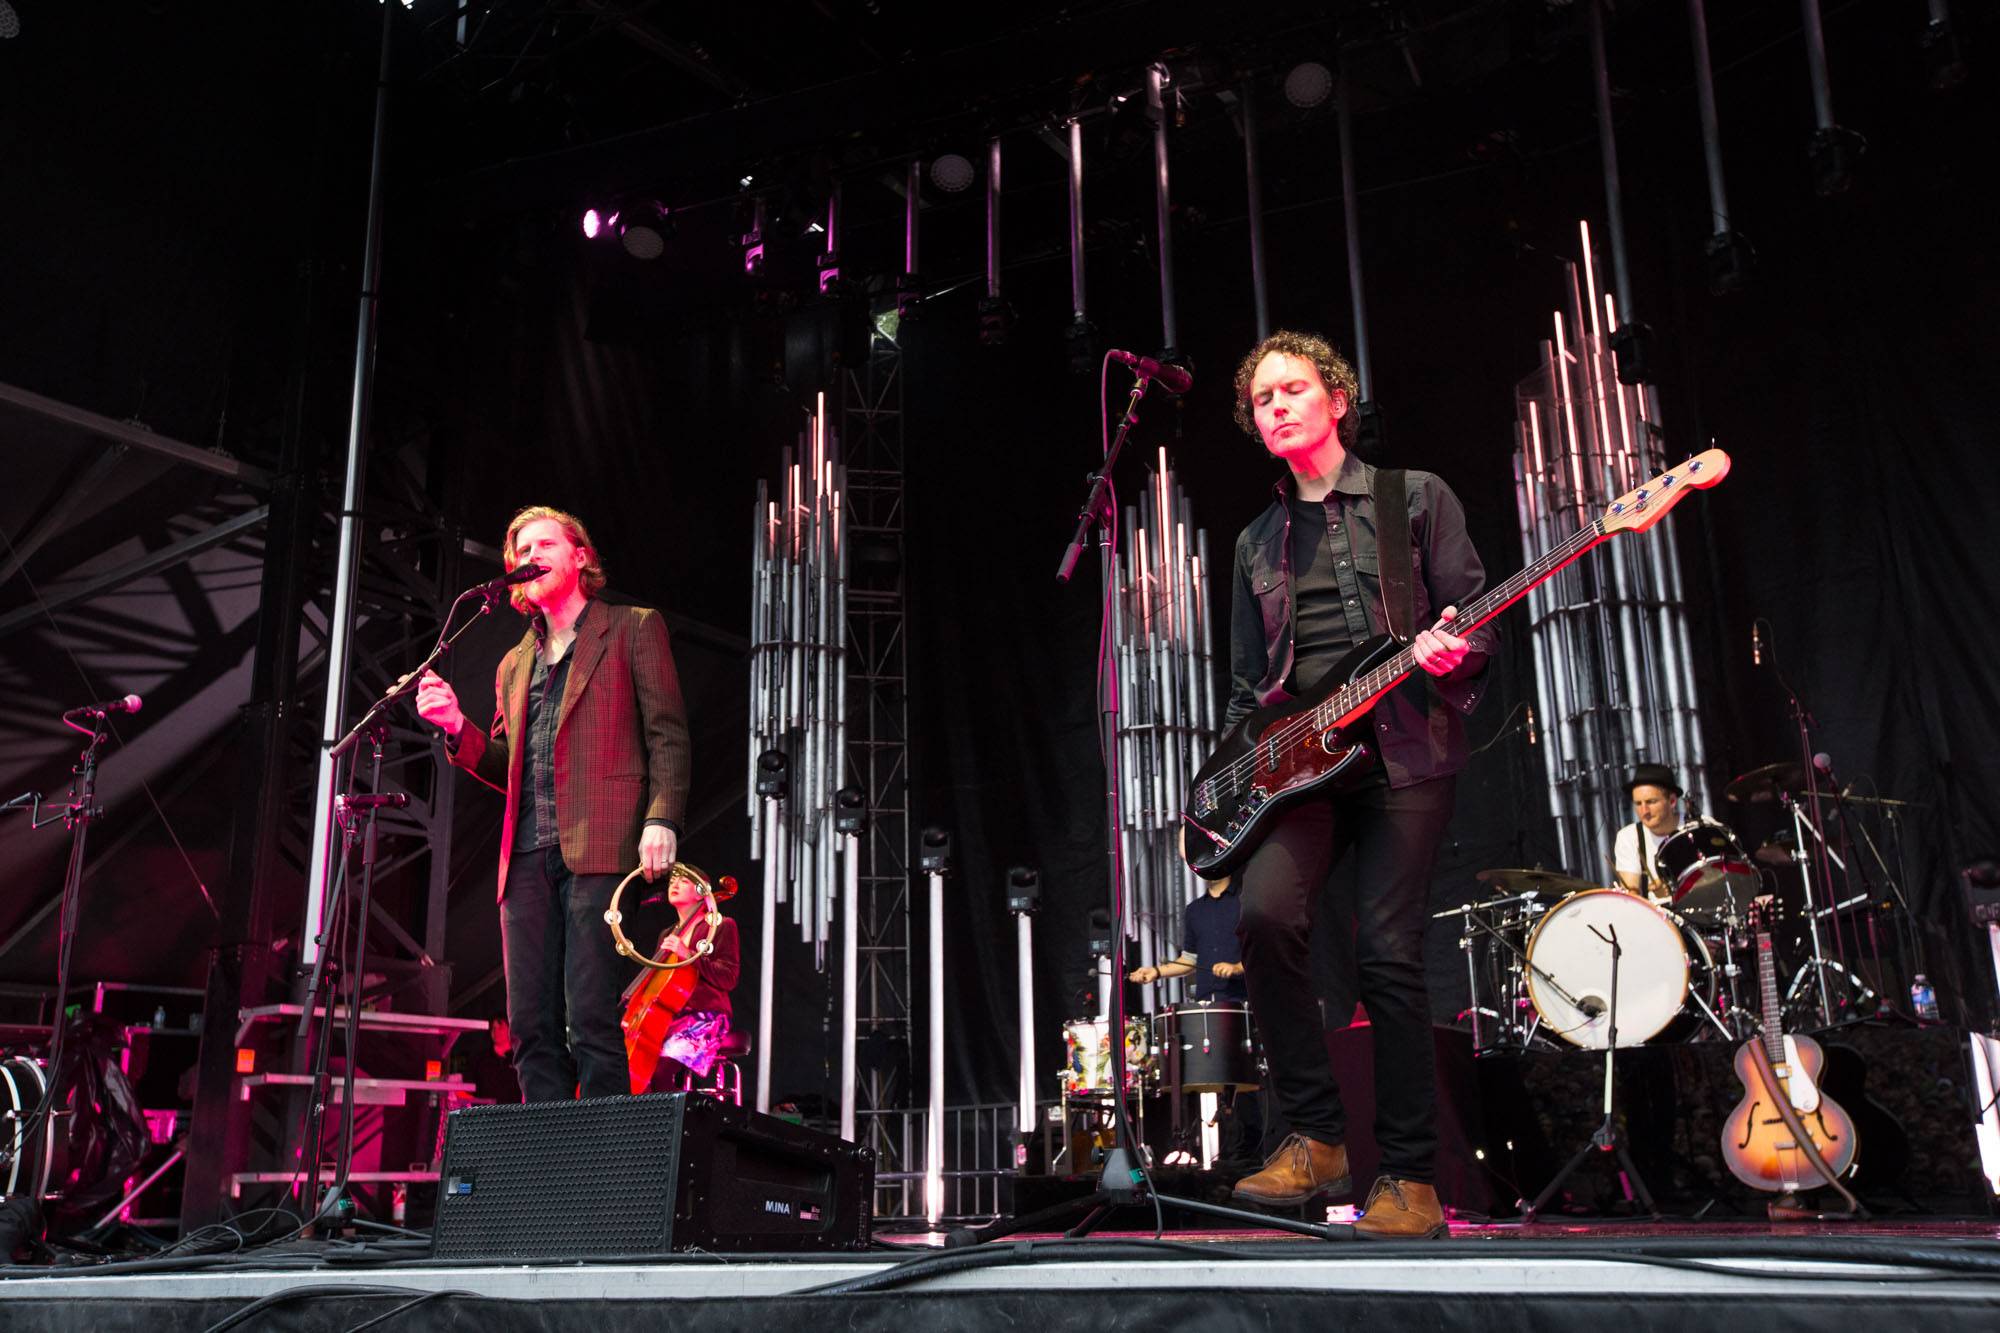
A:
[1394, 835]
[564, 980]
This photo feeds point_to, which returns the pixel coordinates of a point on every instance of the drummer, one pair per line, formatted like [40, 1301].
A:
[1210, 951]
[1656, 813]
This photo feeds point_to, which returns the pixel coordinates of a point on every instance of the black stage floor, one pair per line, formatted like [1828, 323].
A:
[1934, 1274]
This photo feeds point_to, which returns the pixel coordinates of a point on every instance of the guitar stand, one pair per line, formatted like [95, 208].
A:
[1607, 1137]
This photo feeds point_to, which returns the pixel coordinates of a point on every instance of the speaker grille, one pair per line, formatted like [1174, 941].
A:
[593, 1177]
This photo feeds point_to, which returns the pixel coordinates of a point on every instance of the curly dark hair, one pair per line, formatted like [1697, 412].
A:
[1334, 373]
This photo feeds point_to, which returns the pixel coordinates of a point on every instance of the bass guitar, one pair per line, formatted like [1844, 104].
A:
[1757, 1142]
[1320, 742]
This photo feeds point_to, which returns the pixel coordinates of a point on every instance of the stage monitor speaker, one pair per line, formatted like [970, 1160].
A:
[643, 1176]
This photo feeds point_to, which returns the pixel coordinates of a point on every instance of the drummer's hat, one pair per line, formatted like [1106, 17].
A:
[1653, 775]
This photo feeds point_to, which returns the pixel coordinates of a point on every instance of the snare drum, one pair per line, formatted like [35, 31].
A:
[1207, 1047]
[1707, 869]
[1087, 1054]
[1569, 967]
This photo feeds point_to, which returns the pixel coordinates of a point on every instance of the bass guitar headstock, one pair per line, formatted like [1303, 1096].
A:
[1644, 505]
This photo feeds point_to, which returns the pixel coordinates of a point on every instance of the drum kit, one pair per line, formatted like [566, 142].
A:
[1536, 948]
[1191, 1054]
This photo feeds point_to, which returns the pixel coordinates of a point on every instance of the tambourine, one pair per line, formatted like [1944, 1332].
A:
[712, 892]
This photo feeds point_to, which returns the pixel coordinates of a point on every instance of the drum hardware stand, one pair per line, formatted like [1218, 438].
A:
[1469, 912]
[1607, 1137]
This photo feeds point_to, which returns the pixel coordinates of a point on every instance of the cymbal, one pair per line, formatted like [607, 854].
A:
[1533, 881]
[1764, 784]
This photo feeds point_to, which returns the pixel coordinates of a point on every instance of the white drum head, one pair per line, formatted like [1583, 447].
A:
[1572, 945]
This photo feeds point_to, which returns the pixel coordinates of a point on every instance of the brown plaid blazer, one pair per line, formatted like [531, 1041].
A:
[621, 739]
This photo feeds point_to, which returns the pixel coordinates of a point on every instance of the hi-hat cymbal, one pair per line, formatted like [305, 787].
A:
[1764, 784]
[1533, 881]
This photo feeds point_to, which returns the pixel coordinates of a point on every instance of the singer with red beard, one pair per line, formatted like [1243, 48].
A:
[589, 744]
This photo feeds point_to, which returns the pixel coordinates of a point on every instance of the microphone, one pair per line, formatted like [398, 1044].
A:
[1756, 644]
[1174, 379]
[131, 703]
[1589, 1006]
[1531, 724]
[517, 575]
[1823, 763]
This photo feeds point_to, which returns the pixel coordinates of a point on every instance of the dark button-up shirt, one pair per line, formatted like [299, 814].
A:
[535, 824]
[1208, 931]
[1419, 726]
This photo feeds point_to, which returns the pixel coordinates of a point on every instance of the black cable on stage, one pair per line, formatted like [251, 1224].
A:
[277, 1298]
[1004, 1253]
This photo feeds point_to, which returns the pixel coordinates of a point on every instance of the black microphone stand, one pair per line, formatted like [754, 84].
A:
[1124, 1181]
[335, 1207]
[79, 813]
[1607, 1137]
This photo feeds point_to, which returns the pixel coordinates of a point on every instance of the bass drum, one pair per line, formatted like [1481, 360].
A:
[1708, 869]
[1661, 960]
[34, 1160]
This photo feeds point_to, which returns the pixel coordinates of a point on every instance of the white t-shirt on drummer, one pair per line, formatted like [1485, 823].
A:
[1625, 855]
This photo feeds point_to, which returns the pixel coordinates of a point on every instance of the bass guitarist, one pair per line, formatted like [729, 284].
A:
[1329, 563]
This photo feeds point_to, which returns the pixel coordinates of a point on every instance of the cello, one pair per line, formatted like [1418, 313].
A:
[657, 995]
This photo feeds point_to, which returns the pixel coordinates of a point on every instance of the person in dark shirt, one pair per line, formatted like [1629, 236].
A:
[1209, 948]
[1308, 588]
[695, 1037]
[1213, 954]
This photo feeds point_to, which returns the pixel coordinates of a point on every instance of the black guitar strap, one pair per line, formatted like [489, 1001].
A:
[1392, 552]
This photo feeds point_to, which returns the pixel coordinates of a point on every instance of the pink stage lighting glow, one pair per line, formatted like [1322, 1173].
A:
[592, 223]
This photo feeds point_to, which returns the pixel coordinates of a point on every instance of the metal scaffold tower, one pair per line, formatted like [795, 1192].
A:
[878, 748]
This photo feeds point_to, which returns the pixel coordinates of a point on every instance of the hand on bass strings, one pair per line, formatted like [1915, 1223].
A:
[437, 704]
[1437, 651]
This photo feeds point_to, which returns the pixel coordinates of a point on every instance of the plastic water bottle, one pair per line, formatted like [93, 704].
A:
[1923, 1000]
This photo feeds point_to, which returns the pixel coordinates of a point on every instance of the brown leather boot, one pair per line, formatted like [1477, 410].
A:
[1401, 1210]
[1301, 1170]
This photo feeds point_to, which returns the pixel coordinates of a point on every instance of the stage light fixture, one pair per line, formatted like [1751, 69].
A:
[1632, 346]
[644, 230]
[1099, 937]
[1024, 889]
[1835, 154]
[593, 223]
[953, 173]
[850, 810]
[774, 773]
[934, 851]
[1731, 262]
[1944, 54]
[1308, 85]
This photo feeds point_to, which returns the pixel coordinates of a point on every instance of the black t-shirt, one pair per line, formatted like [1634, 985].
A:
[1208, 931]
[1324, 634]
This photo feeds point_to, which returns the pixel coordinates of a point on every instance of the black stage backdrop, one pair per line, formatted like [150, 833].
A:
[1849, 383]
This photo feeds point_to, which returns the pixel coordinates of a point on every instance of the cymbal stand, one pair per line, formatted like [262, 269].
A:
[1802, 858]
